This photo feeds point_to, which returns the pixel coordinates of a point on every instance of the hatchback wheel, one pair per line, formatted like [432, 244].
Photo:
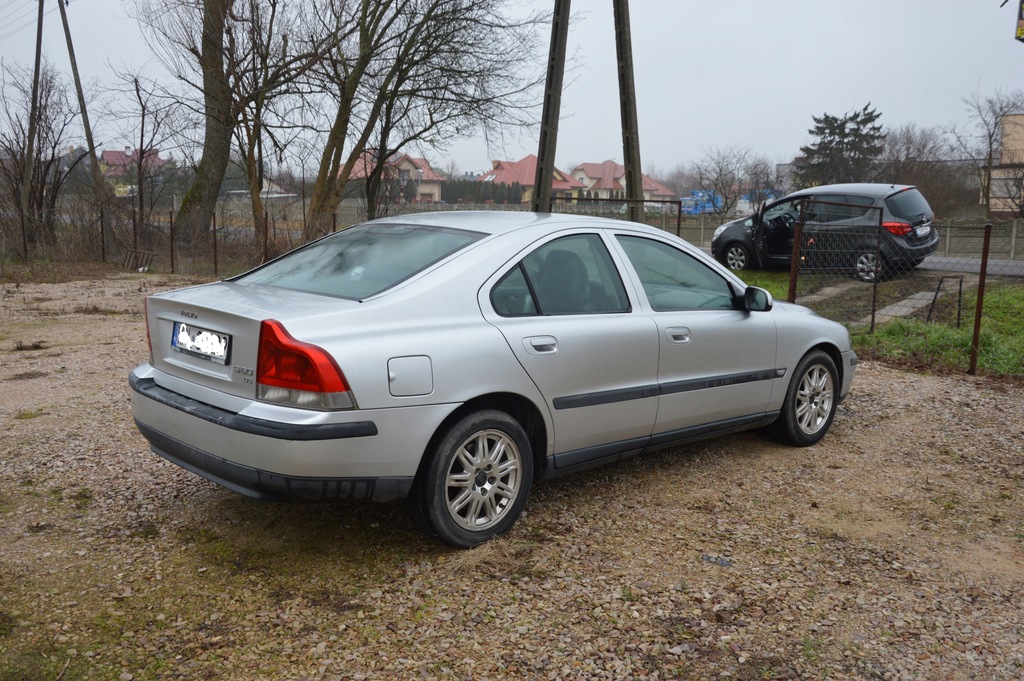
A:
[810, 403]
[869, 266]
[477, 479]
[737, 257]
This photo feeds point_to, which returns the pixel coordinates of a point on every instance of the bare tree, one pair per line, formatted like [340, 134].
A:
[51, 162]
[419, 72]
[762, 180]
[237, 55]
[150, 123]
[981, 138]
[722, 171]
[924, 157]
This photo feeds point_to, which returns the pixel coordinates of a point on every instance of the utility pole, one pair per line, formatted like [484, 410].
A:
[552, 108]
[627, 105]
[97, 178]
[26, 171]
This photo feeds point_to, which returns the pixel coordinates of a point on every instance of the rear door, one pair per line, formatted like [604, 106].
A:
[566, 315]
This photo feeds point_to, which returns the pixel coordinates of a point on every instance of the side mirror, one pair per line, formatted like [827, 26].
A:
[757, 300]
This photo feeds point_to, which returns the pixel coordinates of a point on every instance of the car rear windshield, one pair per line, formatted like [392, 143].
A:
[362, 261]
[909, 205]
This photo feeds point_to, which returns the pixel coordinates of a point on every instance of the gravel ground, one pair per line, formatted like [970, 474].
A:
[894, 549]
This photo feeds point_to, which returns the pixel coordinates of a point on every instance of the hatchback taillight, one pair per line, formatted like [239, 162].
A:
[898, 228]
[298, 374]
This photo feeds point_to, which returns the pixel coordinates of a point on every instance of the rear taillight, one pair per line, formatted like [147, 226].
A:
[298, 374]
[898, 228]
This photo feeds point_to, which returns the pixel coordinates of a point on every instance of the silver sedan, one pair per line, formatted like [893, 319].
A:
[454, 359]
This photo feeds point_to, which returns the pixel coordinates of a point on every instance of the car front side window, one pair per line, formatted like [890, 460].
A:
[674, 280]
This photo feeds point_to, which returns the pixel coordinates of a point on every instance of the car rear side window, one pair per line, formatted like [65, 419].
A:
[570, 275]
[362, 261]
[827, 208]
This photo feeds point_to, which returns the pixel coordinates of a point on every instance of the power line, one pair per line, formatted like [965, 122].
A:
[31, 22]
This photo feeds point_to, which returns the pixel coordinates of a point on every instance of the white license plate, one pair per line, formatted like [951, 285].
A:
[923, 230]
[202, 343]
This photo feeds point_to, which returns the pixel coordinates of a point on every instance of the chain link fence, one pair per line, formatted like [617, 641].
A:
[845, 262]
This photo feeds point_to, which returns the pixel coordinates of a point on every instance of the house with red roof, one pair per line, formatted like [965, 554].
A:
[121, 168]
[405, 169]
[124, 164]
[524, 173]
[608, 181]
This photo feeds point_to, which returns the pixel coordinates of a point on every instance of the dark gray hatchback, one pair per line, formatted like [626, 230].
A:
[871, 230]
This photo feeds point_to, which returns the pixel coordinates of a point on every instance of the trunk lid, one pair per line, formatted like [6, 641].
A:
[209, 335]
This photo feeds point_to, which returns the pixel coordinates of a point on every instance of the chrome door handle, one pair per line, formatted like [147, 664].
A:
[678, 334]
[541, 345]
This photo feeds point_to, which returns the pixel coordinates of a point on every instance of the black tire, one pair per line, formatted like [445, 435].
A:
[736, 257]
[811, 401]
[476, 480]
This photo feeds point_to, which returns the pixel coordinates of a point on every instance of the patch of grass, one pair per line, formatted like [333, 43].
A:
[95, 309]
[39, 664]
[82, 497]
[27, 347]
[811, 649]
[776, 282]
[936, 346]
[146, 530]
[6, 624]
[916, 344]
[52, 272]
[26, 414]
[27, 375]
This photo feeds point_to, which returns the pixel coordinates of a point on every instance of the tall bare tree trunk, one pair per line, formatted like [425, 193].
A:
[26, 172]
[200, 200]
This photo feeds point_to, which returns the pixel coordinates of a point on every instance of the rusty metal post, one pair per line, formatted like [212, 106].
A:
[541, 202]
[794, 258]
[973, 369]
[627, 106]
[171, 235]
[103, 236]
[266, 235]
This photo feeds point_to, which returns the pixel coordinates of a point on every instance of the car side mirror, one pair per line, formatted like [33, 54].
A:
[756, 299]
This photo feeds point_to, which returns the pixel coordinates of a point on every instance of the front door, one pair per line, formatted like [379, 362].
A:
[717, 362]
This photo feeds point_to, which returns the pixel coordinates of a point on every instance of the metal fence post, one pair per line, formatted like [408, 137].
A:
[973, 369]
[171, 238]
[215, 245]
[103, 238]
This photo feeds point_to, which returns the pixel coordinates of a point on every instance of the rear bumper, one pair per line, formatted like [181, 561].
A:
[269, 486]
[276, 460]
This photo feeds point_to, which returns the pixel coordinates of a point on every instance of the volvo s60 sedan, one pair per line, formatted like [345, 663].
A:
[456, 358]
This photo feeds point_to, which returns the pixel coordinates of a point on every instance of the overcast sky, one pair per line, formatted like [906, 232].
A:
[745, 73]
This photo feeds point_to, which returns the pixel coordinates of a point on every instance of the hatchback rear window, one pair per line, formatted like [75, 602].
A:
[909, 205]
[362, 261]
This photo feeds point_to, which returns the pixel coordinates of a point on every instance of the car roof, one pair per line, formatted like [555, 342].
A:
[502, 222]
[873, 189]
